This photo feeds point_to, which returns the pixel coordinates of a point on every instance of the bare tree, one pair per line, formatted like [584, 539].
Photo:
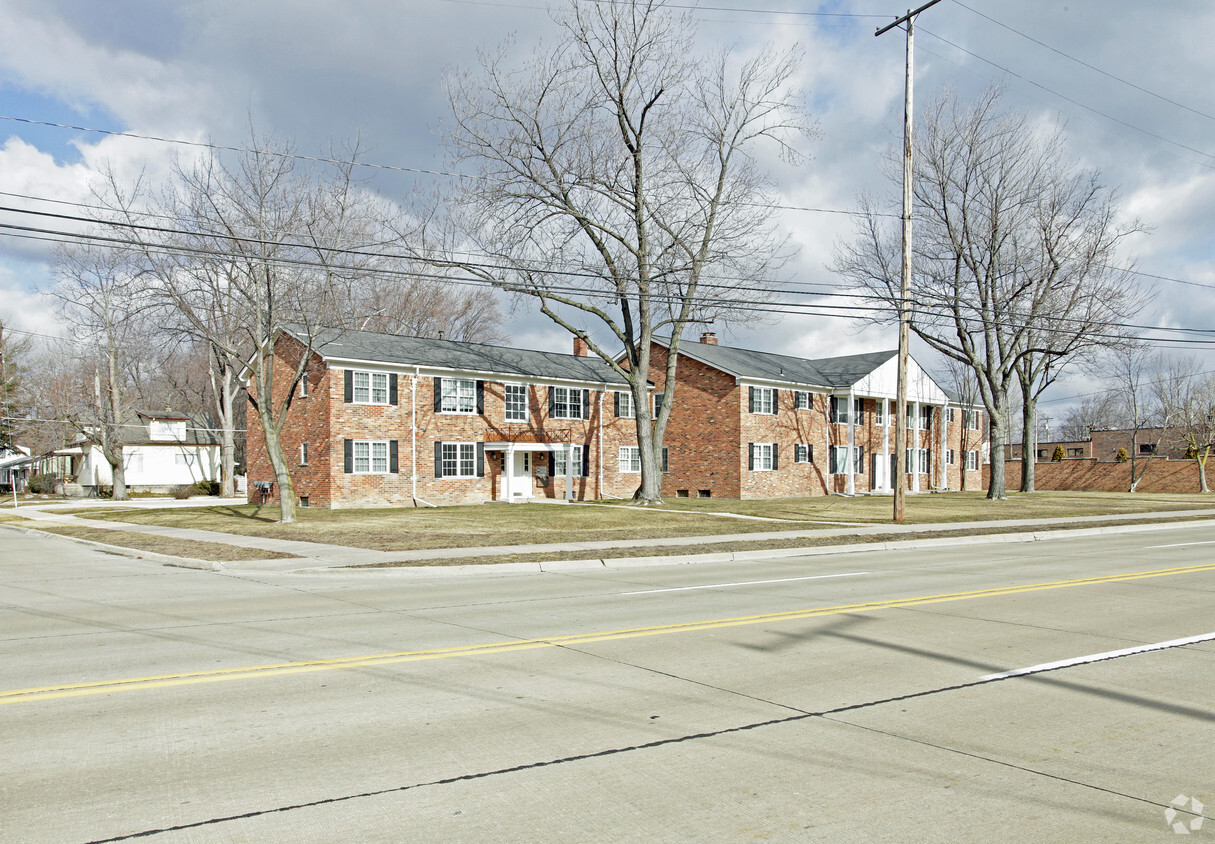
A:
[100, 295]
[616, 183]
[961, 379]
[1194, 421]
[14, 385]
[1152, 387]
[1099, 410]
[1011, 244]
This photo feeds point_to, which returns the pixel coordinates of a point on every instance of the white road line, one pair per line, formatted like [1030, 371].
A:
[1183, 544]
[745, 583]
[1081, 660]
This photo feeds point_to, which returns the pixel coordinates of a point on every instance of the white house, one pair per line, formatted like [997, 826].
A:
[166, 451]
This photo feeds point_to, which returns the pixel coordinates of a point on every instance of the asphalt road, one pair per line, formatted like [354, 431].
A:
[835, 698]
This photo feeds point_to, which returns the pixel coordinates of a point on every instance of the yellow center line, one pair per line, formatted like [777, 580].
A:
[300, 667]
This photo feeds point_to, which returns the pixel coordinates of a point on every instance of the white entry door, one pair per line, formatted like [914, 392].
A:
[521, 484]
[881, 472]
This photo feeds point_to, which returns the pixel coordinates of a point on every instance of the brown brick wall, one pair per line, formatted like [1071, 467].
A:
[1161, 475]
[324, 419]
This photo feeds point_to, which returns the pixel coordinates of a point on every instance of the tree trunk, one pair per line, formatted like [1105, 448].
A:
[1202, 473]
[282, 474]
[223, 391]
[998, 422]
[649, 491]
[1029, 442]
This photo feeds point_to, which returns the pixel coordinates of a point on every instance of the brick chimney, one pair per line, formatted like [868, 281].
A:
[581, 349]
[709, 338]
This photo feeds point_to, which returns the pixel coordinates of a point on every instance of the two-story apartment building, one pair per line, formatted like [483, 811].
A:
[749, 424]
[383, 419]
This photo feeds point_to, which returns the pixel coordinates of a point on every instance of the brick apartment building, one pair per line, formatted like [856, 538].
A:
[752, 424]
[386, 420]
[1103, 445]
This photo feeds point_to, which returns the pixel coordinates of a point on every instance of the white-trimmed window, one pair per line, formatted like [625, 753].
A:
[183, 459]
[970, 419]
[762, 400]
[630, 459]
[370, 387]
[459, 460]
[949, 456]
[972, 461]
[763, 457]
[839, 460]
[303, 454]
[370, 457]
[921, 457]
[459, 395]
[949, 414]
[839, 410]
[925, 417]
[559, 463]
[879, 412]
[304, 386]
[623, 405]
[515, 396]
[566, 402]
[803, 453]
[802, 400]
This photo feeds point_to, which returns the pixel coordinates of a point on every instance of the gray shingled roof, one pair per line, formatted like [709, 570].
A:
[830, 373]
[463, 357]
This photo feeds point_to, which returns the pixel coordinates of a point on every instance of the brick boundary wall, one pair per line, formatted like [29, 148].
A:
[1162, 475]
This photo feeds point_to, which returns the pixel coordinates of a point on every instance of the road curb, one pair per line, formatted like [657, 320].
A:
[123, 551]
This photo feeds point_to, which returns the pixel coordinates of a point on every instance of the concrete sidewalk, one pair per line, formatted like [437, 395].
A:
[314, 556]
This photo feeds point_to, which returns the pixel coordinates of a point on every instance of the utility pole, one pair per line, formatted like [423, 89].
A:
[900, 406]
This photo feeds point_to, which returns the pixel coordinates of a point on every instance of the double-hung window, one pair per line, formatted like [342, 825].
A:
[972, 460]
[763, 457]
[839, 460]
[370, 387]
[802, 400]
[879, 413]
[559, 470]
[803, 453]
[917, 460]
[839, 410]
[516, 402]
[949, 457]
[624, 405]
[630, 459]
[762, 400]
[925, 417]
[459, 395]
[370, 457]
[566, 402]
[459, 460]
[970, 419]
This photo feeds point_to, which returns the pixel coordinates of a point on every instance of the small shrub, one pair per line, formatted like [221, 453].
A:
[181, 492]
[1058, 456]
[205, 488]
[1121, 456]
[43, 484]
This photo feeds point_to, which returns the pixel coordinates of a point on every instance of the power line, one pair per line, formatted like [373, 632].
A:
[1079, 61]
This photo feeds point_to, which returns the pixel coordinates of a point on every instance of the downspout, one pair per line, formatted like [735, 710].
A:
[413, 435]
[850, 487]
[944, 446]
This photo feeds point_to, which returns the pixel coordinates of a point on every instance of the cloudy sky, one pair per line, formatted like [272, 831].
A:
[1129, 82]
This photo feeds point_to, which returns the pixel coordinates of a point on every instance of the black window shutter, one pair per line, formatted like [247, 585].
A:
[775, 392]
[349, 386]
[480, 460]
[774, 465]
[810, 452]
[552, 400]
[751, 453]
[751, 399]
[586, 404]
[616, 404]
[393, 463]
[666, 459]
[438, 400]
[586, 461]
[392, 388]
[480, 396]
[348, 449]
[438, 458]
[860, 459]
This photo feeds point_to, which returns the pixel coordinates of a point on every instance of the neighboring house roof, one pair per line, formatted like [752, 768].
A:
[163, 416]
[354, 347]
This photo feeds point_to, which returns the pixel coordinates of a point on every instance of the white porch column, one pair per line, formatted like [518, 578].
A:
[569, 473]
[944, 446]
[886, 442]
[915, 450]
[508, 472]
[850, 487]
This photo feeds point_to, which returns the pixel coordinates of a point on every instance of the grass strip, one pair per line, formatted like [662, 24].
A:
[215, 552]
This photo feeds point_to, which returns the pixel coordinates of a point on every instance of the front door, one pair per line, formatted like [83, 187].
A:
[521, 485]
[881, 472]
